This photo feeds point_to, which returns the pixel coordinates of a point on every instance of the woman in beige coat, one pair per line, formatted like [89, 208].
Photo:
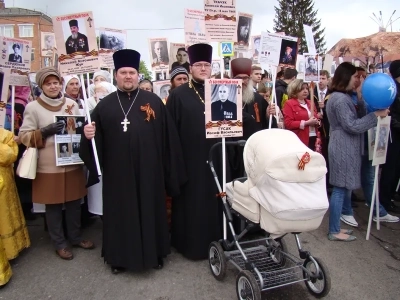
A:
[56, 187]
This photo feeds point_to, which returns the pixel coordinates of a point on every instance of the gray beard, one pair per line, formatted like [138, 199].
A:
[248, 93]
[74, 35]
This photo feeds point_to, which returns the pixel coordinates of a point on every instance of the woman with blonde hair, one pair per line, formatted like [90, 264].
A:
[298, 116]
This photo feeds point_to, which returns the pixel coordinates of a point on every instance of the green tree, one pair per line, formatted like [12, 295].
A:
[290, 15]
[143, 70]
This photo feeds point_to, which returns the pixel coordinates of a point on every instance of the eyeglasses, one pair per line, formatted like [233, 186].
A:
[201, 66]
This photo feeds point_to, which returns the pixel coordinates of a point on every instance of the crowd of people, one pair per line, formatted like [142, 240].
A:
[156, 189]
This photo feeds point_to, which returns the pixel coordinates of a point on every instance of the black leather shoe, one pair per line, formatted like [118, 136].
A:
[116, 270]
[160, 264]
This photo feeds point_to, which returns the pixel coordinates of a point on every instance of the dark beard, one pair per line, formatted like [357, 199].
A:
[248, 93]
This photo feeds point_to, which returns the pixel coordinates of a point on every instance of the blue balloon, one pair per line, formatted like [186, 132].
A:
[379, 91]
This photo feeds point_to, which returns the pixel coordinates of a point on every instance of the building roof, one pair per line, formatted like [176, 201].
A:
[19, 12]
[369, 46]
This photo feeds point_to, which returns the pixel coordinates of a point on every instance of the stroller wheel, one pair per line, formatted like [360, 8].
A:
[217, 260]
[277, 251]
[247, 287]
[319, 285]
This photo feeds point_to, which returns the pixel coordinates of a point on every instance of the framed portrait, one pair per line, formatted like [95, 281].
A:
[77, 47]
[223, 104]
[161, 88]
[67, 142]
[48, 44]
[381, 141]
[158, 49]
[110, 40]
[312, 66]
[178, 56]
[243, 31]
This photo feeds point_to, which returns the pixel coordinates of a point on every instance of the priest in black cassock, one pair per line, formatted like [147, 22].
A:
[196, 212]
[140, 158]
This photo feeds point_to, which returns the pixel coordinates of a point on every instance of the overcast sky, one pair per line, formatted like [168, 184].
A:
[341, 18]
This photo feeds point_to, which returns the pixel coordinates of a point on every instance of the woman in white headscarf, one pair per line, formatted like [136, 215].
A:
[101, 89]
[95, 198]
[99, 76]
[71, 89]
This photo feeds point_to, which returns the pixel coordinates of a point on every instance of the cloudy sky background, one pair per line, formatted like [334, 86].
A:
[341, 18]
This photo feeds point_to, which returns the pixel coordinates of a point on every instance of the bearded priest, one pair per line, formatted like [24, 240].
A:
[140, 158]
[196, 212]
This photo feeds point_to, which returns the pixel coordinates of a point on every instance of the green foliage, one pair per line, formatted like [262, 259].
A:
[143, 70]
[290, 15]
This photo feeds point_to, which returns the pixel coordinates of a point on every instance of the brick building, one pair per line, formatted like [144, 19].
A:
[25, 24]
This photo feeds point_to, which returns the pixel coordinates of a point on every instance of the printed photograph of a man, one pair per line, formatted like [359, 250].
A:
[159, 53]
[181, 59]
[223, 106]
[16, 56]
[76, 42]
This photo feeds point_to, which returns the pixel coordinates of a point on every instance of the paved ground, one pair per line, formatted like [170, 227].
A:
[359, 270]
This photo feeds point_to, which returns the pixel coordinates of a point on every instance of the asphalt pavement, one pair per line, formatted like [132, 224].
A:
[359, 270]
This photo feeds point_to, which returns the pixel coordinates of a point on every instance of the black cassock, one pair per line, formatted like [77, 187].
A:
[254, 119]
[80, 44]
[196, 212]
[138, 166]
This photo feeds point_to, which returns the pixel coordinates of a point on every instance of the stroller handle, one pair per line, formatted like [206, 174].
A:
[240, 143]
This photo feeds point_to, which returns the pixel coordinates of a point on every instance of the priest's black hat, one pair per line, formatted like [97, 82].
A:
[200, 52]
[126, 58]
[73, 23]
[241, 65]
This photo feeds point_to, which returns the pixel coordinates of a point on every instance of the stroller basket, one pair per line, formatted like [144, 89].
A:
[264, 263]
[275, 273]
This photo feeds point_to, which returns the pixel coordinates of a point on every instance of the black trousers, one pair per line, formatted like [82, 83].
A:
[390, 173]
[54, 219]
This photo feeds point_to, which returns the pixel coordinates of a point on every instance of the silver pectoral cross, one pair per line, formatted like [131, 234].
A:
[125, 123]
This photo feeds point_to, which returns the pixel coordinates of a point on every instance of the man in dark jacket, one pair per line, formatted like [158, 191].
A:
[281, 85]
[391, 169]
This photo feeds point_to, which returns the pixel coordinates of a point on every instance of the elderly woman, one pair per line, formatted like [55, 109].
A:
[101, 89]
[56, 187]
[345, 148]
[298, 116]
[72, 86]
[98, 77]
[146, 85]
[95, 197]
[13, 232]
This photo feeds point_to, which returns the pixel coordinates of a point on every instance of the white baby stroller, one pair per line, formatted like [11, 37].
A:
[284, 193]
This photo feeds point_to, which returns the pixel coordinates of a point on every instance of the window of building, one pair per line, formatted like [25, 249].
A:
[26, 30]
[33, 54]
[7, 30]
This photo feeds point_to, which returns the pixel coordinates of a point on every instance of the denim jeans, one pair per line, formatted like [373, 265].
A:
[340, 203]
[367, 183]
